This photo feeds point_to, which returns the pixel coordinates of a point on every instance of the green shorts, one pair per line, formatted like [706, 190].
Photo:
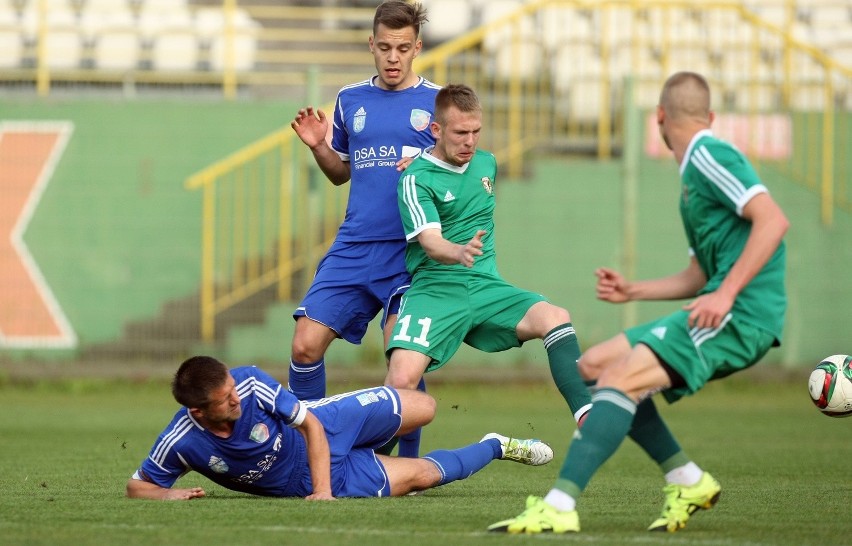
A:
[438, 314]
[700, 355]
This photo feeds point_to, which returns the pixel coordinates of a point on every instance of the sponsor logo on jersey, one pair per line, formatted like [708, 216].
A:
[259, 433]
[449, 197]
[360, 120]
[217, 465]
[486, 183]
[420, 119]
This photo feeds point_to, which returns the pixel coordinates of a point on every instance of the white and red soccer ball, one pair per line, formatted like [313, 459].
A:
[830, 386]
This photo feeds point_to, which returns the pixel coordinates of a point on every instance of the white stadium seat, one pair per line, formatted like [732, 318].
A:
[11, 38]
[114, 38]
[447, 19]
[523, 58]
[244, 45]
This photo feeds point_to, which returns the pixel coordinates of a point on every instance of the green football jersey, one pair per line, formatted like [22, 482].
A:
[717, 183]
[457, 200]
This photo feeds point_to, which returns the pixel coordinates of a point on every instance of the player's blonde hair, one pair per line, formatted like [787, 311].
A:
[686, 95]
[458, 95]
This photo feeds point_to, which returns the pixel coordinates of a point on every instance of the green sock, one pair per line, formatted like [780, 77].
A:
[605, 428]
[563, 351]
[651, 433]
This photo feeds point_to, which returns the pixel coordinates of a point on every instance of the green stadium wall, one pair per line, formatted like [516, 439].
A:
[116, 235]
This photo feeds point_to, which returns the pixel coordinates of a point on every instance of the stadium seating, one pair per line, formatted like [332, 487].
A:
[11, 40]
[113, 37]
[451, 19]
[63, 48]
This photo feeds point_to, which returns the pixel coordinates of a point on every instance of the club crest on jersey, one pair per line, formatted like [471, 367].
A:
[259, 433]
[360, 120]
[486, 183]
[420, 119]
[217, 465]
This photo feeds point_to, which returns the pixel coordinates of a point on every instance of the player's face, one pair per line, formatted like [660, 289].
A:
[394, 51]
[224, 405]
[457, 137]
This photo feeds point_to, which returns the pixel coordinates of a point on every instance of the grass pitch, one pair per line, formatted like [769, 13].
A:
[68, 449]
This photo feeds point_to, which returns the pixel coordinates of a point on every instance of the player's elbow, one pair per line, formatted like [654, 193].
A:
[783, 223]
[131, 490]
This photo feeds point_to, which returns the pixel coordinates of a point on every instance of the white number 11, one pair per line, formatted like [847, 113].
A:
[424, 330]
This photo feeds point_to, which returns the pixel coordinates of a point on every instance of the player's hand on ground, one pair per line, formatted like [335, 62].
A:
[472, 249]
[611, 286]
[320, 496]
[184, 494]
[708, 310]
[311, 126]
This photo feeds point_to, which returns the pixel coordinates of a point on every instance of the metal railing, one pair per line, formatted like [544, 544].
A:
[542, 91]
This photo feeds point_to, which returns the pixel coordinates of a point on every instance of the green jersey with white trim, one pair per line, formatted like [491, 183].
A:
[717, 183]
[457, 200]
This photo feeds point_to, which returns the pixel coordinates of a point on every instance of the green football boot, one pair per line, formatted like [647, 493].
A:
[683, 500]
[539, 517]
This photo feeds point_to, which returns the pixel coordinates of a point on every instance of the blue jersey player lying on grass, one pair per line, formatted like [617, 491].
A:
[243, 431]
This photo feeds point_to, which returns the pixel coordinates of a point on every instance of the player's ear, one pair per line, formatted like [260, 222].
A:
[711, 117]
[418, 46]
[435, 127]
[661, 115]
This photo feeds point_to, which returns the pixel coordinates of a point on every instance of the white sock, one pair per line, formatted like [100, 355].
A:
[560, 500]
[688, 474]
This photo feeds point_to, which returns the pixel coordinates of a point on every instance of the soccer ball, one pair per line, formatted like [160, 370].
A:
[830, 386]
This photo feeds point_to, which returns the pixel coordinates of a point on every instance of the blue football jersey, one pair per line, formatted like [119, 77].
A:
[265, 455]
[373, 129]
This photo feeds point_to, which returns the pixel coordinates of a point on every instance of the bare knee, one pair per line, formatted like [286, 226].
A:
[418, 409]
[405, 369]
[591, 363]
[599, 357]
[310, 341]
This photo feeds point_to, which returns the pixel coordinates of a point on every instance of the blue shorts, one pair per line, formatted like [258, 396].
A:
[356, 423]
[353, 282]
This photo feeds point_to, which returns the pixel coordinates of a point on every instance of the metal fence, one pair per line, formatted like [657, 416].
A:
[550, 76]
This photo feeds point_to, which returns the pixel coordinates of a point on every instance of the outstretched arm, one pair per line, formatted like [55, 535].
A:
[449, 253]
[319, 457]
[614, 288]
[312, 128]
[140, 489]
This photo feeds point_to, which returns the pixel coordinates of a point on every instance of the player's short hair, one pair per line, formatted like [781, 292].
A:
[686, 94]
[397, 14]
[458, 95]
[196, 378]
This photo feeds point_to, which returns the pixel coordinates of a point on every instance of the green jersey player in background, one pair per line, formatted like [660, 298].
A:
[735, 278]
[446, 200]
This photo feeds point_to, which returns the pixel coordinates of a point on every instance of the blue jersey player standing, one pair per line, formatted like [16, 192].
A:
[377, 123]
[243, 431]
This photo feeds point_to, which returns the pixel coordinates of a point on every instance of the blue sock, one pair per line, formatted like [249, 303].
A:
[409, 444]
[307, 381]
[458, 464]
